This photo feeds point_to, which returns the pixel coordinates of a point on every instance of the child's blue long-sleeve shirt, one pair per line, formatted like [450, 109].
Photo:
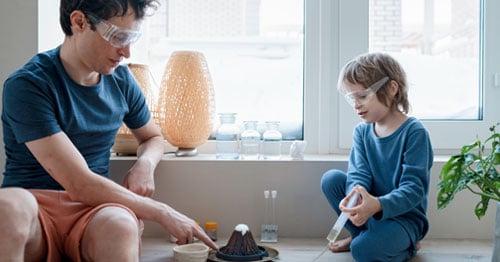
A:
[396, 169]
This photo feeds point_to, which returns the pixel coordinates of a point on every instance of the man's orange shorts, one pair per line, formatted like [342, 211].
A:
[64, 221]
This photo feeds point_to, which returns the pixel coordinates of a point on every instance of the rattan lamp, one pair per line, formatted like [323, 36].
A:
[186, 102]
[125, 142]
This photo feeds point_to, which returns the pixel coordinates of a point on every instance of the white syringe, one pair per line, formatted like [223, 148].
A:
[339, 224]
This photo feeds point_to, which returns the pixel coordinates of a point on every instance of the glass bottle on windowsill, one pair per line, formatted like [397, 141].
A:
[250, 141]
[271, 141]
[227, 137]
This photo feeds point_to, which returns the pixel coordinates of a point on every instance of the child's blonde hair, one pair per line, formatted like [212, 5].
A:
[367, 69]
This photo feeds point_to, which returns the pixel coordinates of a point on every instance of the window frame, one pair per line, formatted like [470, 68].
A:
[329, 44]
[334, 119]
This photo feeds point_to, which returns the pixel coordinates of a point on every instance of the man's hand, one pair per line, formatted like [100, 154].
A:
[140, 178]
[185, 229]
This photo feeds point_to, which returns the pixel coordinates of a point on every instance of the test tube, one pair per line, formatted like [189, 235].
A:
[273, 232]
[264, 236]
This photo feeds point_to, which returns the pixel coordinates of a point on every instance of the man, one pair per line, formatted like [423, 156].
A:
[61, 112]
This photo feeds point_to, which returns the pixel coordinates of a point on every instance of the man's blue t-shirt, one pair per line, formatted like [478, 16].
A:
[40, 99]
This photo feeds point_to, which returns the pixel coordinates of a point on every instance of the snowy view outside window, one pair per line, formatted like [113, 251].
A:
[254, 51]
[438, 44]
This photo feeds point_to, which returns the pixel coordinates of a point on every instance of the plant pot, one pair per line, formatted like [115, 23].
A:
[496, 240]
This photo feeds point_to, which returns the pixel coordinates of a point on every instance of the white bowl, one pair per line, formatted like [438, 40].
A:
[195, 252]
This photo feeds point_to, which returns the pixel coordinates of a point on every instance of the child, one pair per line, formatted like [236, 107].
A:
[389, 165]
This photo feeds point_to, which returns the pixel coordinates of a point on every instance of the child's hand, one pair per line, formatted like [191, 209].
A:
[366, 206]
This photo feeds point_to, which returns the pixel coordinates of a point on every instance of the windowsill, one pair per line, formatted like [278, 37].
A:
[284, 158]
[211, 157]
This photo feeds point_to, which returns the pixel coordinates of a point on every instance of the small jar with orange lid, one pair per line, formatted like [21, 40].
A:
[211, 230]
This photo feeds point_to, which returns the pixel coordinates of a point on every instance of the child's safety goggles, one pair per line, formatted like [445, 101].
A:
[363, 96]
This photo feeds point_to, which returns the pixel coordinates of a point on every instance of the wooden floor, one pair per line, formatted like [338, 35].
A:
[305, 250]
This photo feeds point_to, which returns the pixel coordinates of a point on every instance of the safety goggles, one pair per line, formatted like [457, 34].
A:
[363, 96]
[116, 36]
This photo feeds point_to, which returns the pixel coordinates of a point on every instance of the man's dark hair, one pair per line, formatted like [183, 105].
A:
[104, 9]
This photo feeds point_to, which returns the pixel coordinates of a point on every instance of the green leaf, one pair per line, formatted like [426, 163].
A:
[467, 148]
[481, 207]
[497, 154]
[475, 169]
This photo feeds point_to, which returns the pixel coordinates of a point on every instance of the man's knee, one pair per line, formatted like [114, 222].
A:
[19, 213]
[115, 221]
[113, 232]
[18, 204]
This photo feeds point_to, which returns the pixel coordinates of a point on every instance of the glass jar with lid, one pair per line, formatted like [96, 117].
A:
[271, 141]
[250, 141]
[227, 137]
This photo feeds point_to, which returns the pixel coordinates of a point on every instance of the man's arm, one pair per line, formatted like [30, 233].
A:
[140, 178]
[61, 159]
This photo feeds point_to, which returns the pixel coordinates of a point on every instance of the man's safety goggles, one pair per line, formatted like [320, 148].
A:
[116, 36]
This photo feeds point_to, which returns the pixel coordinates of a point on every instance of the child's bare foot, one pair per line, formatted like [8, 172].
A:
[418, 246]
[343, 245]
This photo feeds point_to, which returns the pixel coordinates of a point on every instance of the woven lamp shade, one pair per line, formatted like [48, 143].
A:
[186, 101]
[125, 142]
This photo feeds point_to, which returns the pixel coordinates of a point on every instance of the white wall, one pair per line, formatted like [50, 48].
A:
[18, 41]
[49, 18]
[231, 192]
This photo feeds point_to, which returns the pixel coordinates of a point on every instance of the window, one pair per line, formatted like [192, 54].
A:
[447, 48]
[437, 42]
[333, 32]
[253, 48]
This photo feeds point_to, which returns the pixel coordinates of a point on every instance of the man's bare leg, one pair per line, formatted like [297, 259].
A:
[112, 235]
[20, 230]
[343, 245]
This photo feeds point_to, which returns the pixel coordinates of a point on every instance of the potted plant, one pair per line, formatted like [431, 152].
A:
[475, 168]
